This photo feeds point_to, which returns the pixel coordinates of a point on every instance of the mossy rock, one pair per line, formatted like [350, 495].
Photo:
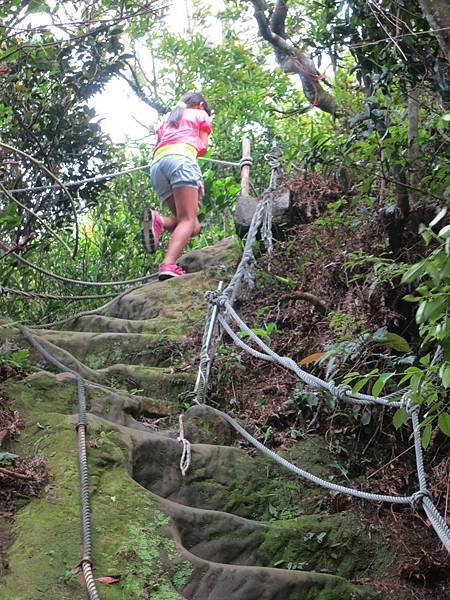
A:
[48, 530]
[217, 532]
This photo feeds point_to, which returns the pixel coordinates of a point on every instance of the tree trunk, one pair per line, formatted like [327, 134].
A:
[413, 145]
[290, 58]
[437, 13]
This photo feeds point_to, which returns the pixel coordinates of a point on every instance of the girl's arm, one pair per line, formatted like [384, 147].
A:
[204, 138]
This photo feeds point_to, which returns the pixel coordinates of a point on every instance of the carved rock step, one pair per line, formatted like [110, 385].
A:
[99, 350]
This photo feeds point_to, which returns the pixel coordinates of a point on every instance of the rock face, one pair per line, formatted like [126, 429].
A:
[282, 212]
[235, 527]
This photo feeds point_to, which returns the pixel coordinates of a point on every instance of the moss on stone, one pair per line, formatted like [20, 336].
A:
[48, 529]
[325, 543]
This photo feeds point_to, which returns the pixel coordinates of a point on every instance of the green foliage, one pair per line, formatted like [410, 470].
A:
[428, 379]
[7, 458]
[46, 86]
[145, 571]
[262, 332]
[19, 359]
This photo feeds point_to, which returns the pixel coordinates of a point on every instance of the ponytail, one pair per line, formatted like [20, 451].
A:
[187, 101]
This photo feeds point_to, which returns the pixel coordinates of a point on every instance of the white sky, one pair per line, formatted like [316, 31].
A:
[118, 107]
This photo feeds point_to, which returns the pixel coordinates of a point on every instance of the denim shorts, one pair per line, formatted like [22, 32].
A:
[175, 171]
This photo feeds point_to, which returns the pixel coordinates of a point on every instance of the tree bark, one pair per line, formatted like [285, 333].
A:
[437, 13]
[413, 145]
[137, 89]
[290, 58]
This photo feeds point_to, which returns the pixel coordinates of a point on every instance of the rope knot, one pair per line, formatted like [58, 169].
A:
[204, 357]
[339, 391]
[418, 497]
[246, 162]
[216, 297]
[409, 406]
[185, 461]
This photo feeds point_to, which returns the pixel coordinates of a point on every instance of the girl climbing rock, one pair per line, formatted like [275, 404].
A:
[177, 179]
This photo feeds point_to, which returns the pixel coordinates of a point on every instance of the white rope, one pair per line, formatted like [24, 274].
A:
[185, 461]
[107, 176]
[224, 302]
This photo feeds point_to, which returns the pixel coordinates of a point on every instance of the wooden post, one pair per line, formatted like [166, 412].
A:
[245, 167]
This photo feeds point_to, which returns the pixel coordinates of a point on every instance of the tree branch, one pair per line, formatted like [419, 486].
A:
[278, 20]
[135, 85]
[291, 59]
[437, 13]
[314, 300]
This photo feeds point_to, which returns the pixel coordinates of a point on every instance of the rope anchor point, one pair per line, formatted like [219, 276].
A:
[418, 497]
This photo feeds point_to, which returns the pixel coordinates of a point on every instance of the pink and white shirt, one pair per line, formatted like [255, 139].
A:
[192, 122]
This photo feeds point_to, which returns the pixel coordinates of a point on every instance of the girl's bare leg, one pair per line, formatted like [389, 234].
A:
[185, 205]
[170, 222]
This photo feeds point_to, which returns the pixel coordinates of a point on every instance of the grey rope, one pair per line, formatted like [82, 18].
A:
[185, 461]
[273, 158]
[305, 474]
[269, 354]
[225, 301]
[28, 294]
[78, 281]
[422, 495]
[107, 176]
[439, 525]
[86, 560]
[85, 313]
[243, 271]
[205, 358]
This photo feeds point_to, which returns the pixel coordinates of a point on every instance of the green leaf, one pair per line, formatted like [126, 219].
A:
[291, 283]
[6, 458]
[414, 272]
[431, 309]
[366, 417]
[394, 341]
[273, 510]
[426, 436]
[380, 383]
[399, 418]
[37, 6]
[411, 298]
[444, 423]
[441, 214]
[359, 385]
[444, 373]
[445, 232]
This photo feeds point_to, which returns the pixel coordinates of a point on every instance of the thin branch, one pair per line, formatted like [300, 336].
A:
[290, 58]
[37, 217]
[311, 298]
[16, 475]
[278, 20]
[58, 181]
[135, 85]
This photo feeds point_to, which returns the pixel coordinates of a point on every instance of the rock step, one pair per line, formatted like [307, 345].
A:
[99, 350]
[236, 509]
[218, 581]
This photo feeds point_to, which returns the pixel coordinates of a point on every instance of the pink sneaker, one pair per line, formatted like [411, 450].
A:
[152, 228]
[168, 271]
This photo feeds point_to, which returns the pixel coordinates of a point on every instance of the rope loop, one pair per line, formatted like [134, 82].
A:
[339, 391]
[86, 559]
[204, 357]
[409, 406]
[418, 497]
[185, 461]
[246, 162]
[216, 297]
[273, 157]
